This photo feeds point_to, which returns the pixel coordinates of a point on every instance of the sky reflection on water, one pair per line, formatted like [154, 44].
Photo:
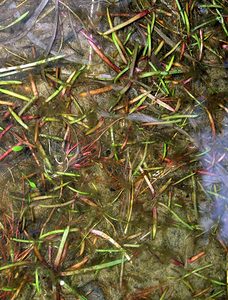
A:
[214, 211]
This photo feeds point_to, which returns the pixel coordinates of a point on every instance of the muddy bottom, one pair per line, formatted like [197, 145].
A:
[113, 150]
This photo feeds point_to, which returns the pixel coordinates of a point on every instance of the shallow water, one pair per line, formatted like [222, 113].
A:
[113, 169]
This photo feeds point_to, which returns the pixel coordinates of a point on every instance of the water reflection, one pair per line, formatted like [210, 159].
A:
[214, 172]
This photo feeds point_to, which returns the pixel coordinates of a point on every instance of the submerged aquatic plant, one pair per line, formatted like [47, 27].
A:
[109, 152]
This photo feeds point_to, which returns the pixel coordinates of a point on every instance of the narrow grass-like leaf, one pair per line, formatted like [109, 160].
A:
[15, 265]
[55, 232]
[16, 69]
[27, 106]
[20, 18]
[169, 66]
[9, 82]
[191, 227]
[187, 23]
[57, 261]
[160, 73]
[142, 160]
[128, 22]
[111, 240]
[77, 191]
[94, 268]
[118, 76]
[119, 46]
[37, 281]
[13, 94]
[17, 118]
[181, 11]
